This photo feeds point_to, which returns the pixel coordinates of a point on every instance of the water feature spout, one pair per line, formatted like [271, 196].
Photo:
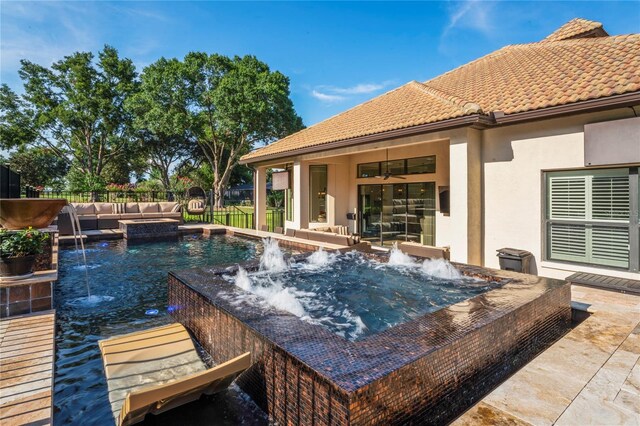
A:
[77, 234]
[321, 258]
[398, 258]
[272, 259]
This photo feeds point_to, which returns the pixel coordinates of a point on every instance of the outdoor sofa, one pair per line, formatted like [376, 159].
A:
[330, 234]
[106, 215]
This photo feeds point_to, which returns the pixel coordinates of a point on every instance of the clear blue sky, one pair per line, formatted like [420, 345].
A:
[336, 54]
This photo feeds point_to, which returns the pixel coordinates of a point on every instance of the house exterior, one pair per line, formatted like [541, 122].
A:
[534, 146]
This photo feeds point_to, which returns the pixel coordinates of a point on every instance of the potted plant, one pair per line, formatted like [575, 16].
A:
[18, 250]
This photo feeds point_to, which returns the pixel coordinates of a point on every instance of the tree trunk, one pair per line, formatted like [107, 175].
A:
[218, 195]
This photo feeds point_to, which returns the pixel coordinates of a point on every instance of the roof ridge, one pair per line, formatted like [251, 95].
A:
[465, 106]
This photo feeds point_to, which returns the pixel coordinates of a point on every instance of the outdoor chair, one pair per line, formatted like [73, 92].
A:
[156, 370]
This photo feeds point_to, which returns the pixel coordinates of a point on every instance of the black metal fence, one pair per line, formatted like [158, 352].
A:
[9, 183]
[232, 215]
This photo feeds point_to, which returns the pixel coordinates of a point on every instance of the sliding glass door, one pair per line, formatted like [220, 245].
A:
[397, 212]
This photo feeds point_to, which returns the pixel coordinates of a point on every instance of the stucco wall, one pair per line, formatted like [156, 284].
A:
[514, 158]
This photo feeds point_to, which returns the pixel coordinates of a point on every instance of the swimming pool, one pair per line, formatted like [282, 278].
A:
[126, 281]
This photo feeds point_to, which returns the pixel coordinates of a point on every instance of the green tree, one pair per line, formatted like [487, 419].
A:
[162, 120]
[75, 108]
[39, 167]
[236, 103]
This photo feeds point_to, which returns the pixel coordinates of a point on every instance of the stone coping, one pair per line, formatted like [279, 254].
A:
[352, 365]
[37, 277]
[147, 221]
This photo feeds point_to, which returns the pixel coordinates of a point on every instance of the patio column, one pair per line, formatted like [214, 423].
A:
[465, 182]
[260, 196]
[300, 195]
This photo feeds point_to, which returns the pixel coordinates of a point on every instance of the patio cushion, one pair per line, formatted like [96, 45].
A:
[87, 217]
[166, 206]
[84, 208]
[132, 208]
[103, 208]
[108, 216]
[129, 216]
[118, 208]
[155, 215]
[148, 207]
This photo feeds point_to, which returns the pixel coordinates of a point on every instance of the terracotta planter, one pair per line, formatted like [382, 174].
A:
[15, 266]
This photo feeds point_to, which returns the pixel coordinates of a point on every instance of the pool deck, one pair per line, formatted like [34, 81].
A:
[590, 376]
[27, 355]
[191, 228]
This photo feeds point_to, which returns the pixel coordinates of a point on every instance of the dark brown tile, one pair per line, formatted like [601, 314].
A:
[4, 311]
[3, 296]
[19, 293]
[43, 304]
[39, 290]
[425, 371]
[19, 308]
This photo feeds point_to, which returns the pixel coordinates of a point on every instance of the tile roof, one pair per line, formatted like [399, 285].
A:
[577, 27]
[559, 70]
[539, 75]
[409, 105]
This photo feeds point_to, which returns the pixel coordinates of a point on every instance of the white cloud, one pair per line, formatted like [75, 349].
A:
[326, 97]
[473, 14]
[335, 94]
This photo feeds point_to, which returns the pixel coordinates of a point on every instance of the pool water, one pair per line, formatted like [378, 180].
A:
[128, 284]
[354, 295]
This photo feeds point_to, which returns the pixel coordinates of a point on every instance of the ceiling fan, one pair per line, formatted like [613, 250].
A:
[387, 174]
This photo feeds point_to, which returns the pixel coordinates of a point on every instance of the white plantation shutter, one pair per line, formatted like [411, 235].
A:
[610, 246]
[568, 242]
[610, 197]
[568, 197]
[585, 212]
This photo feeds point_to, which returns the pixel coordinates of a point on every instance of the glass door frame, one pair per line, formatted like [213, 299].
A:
[394, 210]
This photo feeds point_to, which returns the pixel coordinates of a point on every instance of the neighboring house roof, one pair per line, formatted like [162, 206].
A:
[562, 69]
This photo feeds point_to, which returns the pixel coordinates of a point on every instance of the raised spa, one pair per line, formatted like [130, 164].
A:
[360, 339]
[352, 294]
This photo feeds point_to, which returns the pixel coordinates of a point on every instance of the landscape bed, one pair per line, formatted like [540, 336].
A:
[427, 370]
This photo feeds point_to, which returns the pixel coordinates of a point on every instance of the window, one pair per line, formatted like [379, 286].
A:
[368, 170]
[421, 165]
[395, 167]
[398, 167]
[589, 220]
[318, 193]
[288, 196]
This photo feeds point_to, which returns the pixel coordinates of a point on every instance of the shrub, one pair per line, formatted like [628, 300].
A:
[21, 243]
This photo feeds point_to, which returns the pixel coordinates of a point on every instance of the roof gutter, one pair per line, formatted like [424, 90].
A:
[475, 120]
[591, 105]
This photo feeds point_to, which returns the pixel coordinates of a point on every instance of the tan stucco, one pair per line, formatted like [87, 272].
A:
[514, 158]
[495, 180]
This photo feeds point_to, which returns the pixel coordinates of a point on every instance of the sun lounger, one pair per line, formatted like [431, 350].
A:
[156, 370]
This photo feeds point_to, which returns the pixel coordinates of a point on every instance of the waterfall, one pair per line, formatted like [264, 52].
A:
[77, 234]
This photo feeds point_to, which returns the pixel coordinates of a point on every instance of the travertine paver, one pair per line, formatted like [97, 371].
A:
[590, 376]
[26, 369]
